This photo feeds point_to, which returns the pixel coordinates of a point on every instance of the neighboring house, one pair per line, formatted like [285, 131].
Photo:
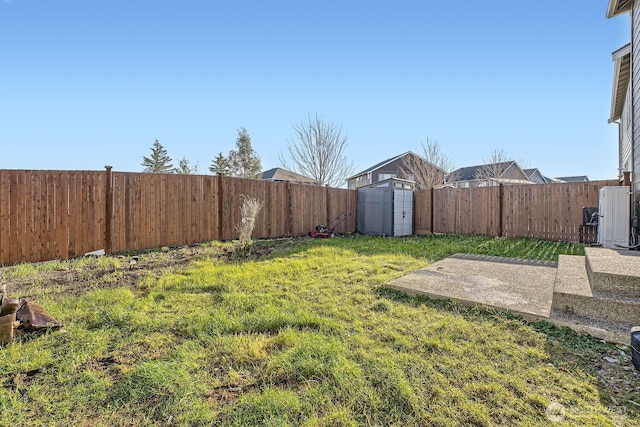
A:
[534, 175]
[391, 168]
[283, 175]
[485, 175]
[625, 104]
[580, 178]
[621, 107]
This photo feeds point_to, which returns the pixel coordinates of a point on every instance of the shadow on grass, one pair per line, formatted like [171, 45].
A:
[436, 247]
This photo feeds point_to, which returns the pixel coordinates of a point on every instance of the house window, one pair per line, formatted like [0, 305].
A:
[383, 176]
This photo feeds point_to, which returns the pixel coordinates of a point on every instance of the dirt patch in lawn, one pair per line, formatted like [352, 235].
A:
[70, 278]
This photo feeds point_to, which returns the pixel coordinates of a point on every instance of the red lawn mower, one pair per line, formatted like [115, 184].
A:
[329, 229]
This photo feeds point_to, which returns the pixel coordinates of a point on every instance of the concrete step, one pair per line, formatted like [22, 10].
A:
[601, 307]
[571, 276]
[615, 332]
[614, 271]
[573, 295]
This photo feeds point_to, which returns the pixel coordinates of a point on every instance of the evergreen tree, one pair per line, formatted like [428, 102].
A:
[185, 168]
[244, 162]
[220, 165]
[159, 162]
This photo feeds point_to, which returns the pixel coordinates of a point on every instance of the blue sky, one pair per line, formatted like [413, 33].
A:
[84, 84]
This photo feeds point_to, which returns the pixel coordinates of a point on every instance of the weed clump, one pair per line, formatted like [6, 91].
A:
[250, 209]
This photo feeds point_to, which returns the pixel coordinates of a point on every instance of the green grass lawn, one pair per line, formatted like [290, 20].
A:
[304, 336]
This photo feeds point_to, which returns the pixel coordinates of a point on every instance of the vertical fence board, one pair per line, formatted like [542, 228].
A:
[74, 213]
[13, 217]
[27, 216]
[38, 227]
[82, 223]
[5, 237]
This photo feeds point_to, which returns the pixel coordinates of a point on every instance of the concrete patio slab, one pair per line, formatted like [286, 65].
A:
[520, 286]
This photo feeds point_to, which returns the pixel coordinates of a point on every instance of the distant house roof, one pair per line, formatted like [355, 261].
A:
[386, 162]
[472, 173]
[621, 78]
[579, 178]
[531, 174]
[279, 174]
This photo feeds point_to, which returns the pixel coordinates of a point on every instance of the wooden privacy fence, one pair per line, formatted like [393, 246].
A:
[48, 215]
[546, 211]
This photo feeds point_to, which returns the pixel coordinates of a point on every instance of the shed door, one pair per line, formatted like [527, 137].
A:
[402, 213]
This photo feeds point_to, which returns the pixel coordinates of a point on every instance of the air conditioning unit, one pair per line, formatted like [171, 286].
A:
[614, 211]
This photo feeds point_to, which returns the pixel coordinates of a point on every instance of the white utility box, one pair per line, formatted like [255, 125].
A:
[614, 211]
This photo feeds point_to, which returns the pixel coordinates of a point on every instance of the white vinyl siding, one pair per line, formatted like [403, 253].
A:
[635, 98]
[625, 136]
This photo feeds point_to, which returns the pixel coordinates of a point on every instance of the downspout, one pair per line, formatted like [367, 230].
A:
[618, 122]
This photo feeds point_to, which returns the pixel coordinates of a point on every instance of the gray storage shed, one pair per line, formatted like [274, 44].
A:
[385, 210]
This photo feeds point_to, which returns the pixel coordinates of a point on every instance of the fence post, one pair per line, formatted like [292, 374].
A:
[328, 208]
[108, 209]
[431, 222]
[220, 204]
[289, 227]
[501, 210]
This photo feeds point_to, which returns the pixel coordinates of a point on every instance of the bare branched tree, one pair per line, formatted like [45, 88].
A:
[523, 163]
[318, 151]
[425, 175]
[495, 165]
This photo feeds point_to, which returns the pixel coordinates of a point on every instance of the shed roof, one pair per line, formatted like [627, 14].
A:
[621, 78]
